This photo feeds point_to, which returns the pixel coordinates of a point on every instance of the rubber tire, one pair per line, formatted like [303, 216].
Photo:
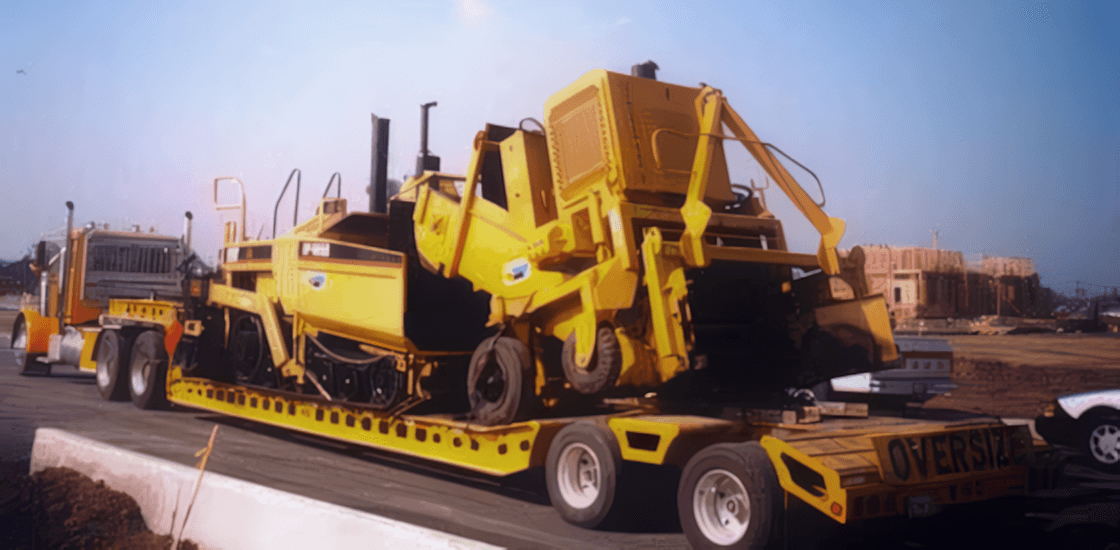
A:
[148, 365]
[1089, 423]
[263, 373]
[602, 443]
[750, 464]
[603, 369]
[27, 362]
[518, 396]
[111, 379]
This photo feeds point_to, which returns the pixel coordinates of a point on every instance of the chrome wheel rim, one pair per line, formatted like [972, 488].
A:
[108, 352]
[141, 368]
[1104, 443]
[19, 342]
[722, 507]
[579, 475]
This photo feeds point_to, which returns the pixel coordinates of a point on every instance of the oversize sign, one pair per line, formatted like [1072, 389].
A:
[918, 458]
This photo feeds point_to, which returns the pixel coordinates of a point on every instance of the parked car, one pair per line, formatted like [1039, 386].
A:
[1088, 421]
[925, 369]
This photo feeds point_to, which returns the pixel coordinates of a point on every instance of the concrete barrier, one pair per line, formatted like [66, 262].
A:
[229, 513]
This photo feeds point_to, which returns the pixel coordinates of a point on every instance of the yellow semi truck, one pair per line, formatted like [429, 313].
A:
[593, 294]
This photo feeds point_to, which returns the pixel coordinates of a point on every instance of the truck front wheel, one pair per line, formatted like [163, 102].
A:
[582, 471]
[147, 376]
[727, 497]
[28, 362]
[112, 353]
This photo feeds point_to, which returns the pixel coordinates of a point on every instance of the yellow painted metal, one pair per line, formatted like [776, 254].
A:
[497, 451]
[869, 315]
[664, 277]
[694, 212]
[261, 305]
[831, 229]
[39, 330]
[159, 312]
[87, 362]
[832, 500]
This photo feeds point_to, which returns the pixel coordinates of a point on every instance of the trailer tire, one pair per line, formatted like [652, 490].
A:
[111, 354]
[147, 372]
[603, 370]
[499, 381]
[728, 497]
[582, 472]
[28, 362]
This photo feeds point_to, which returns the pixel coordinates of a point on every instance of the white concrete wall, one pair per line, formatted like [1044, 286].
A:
[229, 513]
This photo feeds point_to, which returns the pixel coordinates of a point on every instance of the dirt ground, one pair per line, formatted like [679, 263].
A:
[1017, 375]
[61, 508]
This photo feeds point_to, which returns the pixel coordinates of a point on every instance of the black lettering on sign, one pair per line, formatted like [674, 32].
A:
[976, 443]
[991, 449]
[918, 451]
[940, 453]
[957, 448]
[897, 450]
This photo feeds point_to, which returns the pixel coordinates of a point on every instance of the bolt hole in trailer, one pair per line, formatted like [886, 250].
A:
[594, 298]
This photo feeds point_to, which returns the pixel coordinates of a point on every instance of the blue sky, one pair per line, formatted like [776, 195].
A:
[996, 123]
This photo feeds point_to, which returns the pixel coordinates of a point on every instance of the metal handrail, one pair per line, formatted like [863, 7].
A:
[338, 188]
[295, 211]
[239, 207]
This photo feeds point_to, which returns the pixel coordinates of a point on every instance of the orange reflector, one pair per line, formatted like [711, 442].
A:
[836, 508]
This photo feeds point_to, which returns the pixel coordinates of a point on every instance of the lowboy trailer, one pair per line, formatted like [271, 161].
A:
[591, 296]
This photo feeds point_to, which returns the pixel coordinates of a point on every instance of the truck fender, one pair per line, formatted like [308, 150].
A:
[39, 330]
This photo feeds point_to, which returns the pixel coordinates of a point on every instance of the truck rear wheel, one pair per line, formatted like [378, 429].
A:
[28, 362]
[147, 373]
[582, 470]
[727, 497]
[499, 383]
[112, 352]
[603, 369]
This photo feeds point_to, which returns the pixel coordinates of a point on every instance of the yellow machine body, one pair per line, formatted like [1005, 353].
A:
[624, 198]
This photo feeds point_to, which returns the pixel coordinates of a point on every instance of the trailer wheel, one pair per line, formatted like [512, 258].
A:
[28, 362]
[606, 363]
[112, 352]
[582, 471]
[727, 497]
[499, 384]
[147, 373]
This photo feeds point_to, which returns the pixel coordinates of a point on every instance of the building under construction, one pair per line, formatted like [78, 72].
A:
[928, 283]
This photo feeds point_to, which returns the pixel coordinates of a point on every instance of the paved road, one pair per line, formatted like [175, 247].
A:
[513, 512]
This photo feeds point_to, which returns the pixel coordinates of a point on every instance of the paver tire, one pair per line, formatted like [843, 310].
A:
[728, 497]
[500, 382]
[147, 372]
[603, 369]
[582, 470]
